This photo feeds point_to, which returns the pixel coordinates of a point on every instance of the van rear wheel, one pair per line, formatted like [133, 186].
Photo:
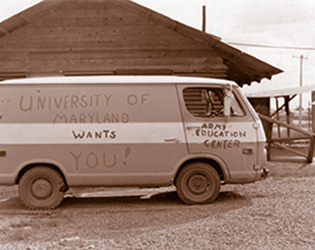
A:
[198, 183]
[40, 188]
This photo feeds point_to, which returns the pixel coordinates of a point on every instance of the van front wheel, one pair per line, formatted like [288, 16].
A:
[41, 188]
[198, 183]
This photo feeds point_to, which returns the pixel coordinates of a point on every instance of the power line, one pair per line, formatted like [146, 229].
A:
[271, 46]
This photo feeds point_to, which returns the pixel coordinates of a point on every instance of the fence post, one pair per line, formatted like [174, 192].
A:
[311, 150]
[313, 111]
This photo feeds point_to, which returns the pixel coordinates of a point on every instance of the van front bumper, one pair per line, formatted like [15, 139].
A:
[261, 172]
[265, 173]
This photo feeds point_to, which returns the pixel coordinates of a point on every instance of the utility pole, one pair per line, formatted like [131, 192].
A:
[301, 57]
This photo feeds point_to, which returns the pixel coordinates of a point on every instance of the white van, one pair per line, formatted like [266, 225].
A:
[144, 131]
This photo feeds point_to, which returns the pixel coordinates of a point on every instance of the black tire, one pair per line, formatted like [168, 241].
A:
[198, 183]
[40, 188]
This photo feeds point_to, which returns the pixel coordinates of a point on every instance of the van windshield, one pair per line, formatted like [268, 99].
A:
[209, 102]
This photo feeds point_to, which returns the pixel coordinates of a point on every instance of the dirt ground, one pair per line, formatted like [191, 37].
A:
[277, 213]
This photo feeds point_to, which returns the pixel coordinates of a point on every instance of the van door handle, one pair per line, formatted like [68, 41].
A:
[175, 140]
[191, 127]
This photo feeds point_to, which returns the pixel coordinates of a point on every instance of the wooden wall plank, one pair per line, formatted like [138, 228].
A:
[90, 22]
[86, 13]
[102, 37]
[81, 46]
[135, 62]
[99, 33]
[119, 54]
[88, 43]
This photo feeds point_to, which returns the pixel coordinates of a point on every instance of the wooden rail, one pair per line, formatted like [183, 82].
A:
[277, 141]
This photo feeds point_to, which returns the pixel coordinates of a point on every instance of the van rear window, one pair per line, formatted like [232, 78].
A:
[209, 102]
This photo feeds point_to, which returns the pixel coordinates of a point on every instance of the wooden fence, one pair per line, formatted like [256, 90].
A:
[279, 142]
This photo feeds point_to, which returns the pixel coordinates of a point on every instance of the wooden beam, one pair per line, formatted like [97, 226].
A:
[278, 117]
[296, 128]
[289, 149]
[25, 18]
[282, 106]
[288, 139]
[311, 136]
[287, 111]
[4, 30]
[311, 150]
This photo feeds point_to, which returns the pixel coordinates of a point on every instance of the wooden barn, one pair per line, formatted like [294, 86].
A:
[106, 37]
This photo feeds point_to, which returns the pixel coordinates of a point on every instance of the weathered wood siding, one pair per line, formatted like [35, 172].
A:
[102, 37]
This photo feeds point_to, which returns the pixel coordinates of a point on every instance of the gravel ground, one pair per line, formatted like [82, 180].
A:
[277, 213]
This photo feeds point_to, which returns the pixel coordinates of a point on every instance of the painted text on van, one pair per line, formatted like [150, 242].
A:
[224, 144]
[218, 130]
[94, 160]
[101, 134]
[92, 118]
[227, 133]
[31, 103]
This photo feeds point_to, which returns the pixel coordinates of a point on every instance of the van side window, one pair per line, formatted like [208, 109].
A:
[209, 102]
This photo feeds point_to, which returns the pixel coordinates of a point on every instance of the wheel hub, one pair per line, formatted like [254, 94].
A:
[198, 184]
[41, 188]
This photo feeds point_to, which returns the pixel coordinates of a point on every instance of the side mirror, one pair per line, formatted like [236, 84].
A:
[227, 102]
[227, 106]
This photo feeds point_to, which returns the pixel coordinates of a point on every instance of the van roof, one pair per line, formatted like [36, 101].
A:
[116, 80]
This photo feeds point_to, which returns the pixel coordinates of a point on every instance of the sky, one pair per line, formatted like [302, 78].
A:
[280, 23]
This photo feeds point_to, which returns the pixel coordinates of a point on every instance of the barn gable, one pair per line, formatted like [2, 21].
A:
[93, 37]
